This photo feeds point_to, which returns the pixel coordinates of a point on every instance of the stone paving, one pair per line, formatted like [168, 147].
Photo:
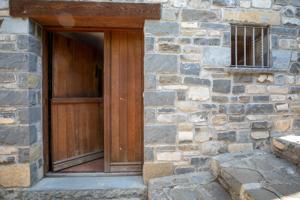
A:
[287, 147]
[193, 186]
[257, 176]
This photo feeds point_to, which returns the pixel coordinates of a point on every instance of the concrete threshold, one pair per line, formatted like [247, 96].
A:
[89, 183]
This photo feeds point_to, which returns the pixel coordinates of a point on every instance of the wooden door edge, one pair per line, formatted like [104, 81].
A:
[107, 96]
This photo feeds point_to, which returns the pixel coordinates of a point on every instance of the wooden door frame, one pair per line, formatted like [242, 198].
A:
[85, 17]
[106, 92]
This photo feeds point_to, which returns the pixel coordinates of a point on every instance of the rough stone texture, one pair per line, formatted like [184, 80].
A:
[252, 16]
[194, 103]
[20, 102]
[131, 188]
[15, 175]
[154, 170]
[248, 176]
[192, 186]
[287, 147]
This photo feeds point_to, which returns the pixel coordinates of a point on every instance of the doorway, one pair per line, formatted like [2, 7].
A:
[77, 137]
[95, 104]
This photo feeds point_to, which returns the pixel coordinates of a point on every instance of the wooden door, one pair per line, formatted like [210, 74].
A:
[76, 104]
[125, 75]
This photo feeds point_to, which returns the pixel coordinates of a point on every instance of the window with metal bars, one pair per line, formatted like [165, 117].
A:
[250, 46]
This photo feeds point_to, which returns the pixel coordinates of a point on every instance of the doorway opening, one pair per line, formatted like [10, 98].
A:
[76, 104]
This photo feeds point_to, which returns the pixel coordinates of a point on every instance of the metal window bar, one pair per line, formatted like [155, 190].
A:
[255, 51]
[253, 46]
[245, 46]
[262, 47]
[235, 43]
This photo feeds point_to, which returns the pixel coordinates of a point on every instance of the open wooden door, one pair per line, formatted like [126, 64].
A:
[124, 72]
[76, 106]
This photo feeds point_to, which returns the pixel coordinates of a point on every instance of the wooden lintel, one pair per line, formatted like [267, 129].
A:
[42, 8]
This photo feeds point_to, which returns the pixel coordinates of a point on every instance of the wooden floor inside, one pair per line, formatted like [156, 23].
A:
[92, 166]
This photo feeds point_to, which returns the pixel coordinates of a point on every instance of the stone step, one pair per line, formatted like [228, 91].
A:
[191, 186]
[287, 147]
[257, 175]
[81, 188]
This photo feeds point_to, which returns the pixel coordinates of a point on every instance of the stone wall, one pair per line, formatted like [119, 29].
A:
[194, 105]
[20, 101]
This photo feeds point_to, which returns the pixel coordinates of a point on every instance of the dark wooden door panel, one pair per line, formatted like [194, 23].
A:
[75, 66]
[75, 131]
[76, 109]
[126, 100]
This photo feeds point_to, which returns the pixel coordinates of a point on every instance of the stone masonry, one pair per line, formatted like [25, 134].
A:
[195, 105]
[21, 161]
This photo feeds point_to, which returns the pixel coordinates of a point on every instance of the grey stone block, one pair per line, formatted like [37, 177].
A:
[150, 81]
[289, 32]
[215, 26]
[159, 98]
[149, 44]
[235, 109]
[200, 15]
[257, 99]
[14, 25]
[238, 89]
[259, 108]
[207, 41]
[280, 79]
[29, 43]
[158, 28]
[225, 2]
[281, 58]
[226, 39]
[23, 155]
[236, 118]
[13, 98]
[216, 57]
[196, 81]
[294, 90]
[160, 134]
[296, 124]
[185, 170]
[295, 68]
[18, 135]
[229, 136]
[199, 161]
[243, 79]
[148, 154]
[263, 126]
[156, 63]
[7, 46]
[7, 77]
[30, 115]
[18, 61]
[149, 115]
[221, 86]
[190, 69]
[220, 99]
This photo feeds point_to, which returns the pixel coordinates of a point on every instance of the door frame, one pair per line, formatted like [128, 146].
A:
[106, 91]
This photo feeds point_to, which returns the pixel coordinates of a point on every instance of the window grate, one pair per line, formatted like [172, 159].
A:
[250, 46]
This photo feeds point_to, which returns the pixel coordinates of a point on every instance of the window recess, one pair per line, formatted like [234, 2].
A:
[250, 46]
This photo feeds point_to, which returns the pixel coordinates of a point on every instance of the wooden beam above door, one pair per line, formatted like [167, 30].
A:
[85, 14]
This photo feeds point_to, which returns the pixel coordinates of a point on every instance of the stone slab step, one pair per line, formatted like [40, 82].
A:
[80, 188]
[257, 175]
[192, 186]
[287, 147]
